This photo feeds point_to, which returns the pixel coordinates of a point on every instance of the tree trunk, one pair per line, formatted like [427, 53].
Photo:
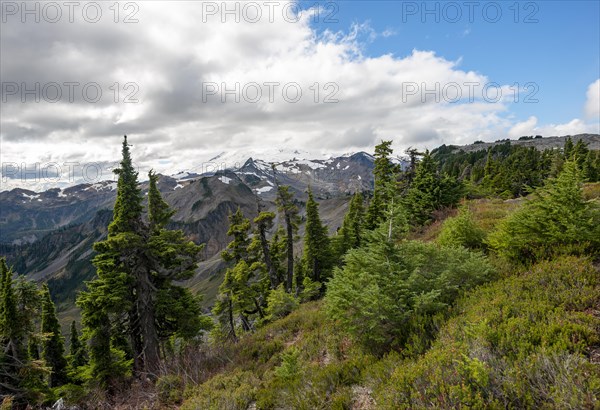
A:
[145, 307]
[258, 309]
[231, 323]
[290, 252]
[135, 334]
[267, 257]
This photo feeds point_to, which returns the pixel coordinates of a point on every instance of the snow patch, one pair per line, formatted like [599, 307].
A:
[225, 180]
[263, 189]
[30, 197]
[184, 175]
[177, 186]
[310, 164]
[102, 186]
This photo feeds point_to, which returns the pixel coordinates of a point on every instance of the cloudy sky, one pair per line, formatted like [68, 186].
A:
[188, 80]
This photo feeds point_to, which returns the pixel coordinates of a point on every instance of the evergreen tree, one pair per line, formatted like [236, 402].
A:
[413, 155]
[136, 266]
[77, 356]
[589, 171]
[384, 174]
[239, 228]
[580, 152]
[317, 251]
[387, 284]
[53, 349]
[33, 349]
[287, 207]
[568, 149]
[159, 212]
[264, 222]
[555, 220]
[21, 376]
[430, 191]
[127, 212]
[350, 233]
[13, 349]
[236, 252]
[278, 249]
[246, 283]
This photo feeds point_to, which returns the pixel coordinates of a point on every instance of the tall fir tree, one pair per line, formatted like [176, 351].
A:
[53, 348]
[77, 356]
[13, 350]
[21, 376]
[568, 149]
[136, 266]
[237, 250]
[430, 191]
[288, 208]
[384, 172]
[350, 233]
[317, 250]
[264, 222]
[159, 212]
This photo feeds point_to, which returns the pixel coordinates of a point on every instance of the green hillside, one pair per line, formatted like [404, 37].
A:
[437, 291]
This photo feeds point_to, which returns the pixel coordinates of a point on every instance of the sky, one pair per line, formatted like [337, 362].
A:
[188, 80]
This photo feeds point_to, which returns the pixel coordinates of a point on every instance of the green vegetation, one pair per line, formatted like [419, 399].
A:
[462, 231]
[557, 220]
[521, 342]
[411, 304]
[390, 291]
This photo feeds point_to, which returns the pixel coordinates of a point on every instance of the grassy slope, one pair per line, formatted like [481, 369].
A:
[529, 339]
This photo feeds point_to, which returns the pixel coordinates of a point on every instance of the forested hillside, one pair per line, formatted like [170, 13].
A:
[466, 279]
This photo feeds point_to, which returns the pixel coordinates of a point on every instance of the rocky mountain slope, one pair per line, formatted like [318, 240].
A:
[48, 235]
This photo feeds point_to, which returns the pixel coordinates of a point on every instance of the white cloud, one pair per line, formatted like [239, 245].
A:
[592, 104]
[523, 128]
[530, 127]
[177, 49]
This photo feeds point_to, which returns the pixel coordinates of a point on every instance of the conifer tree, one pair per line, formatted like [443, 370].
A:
[317, 252]
[33, 349]
[384, 174]
[350, 233]
[136, 266]
[589, 171]
[289, 210]
[579, 155]
[568, 149]
[53, 348]
[245, 284]
[159, 212]
[264, 222]
[236, 252]
[77, 356]
[20, 375]
[239, 227]
[278, 249]
[430, 191]
[556, 219]
[13, 350]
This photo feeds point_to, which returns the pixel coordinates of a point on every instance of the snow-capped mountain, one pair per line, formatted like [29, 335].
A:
[27, 215]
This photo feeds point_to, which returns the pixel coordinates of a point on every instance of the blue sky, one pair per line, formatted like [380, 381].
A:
[559, 52]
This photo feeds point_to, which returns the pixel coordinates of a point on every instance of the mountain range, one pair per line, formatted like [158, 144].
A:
[48, 235]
